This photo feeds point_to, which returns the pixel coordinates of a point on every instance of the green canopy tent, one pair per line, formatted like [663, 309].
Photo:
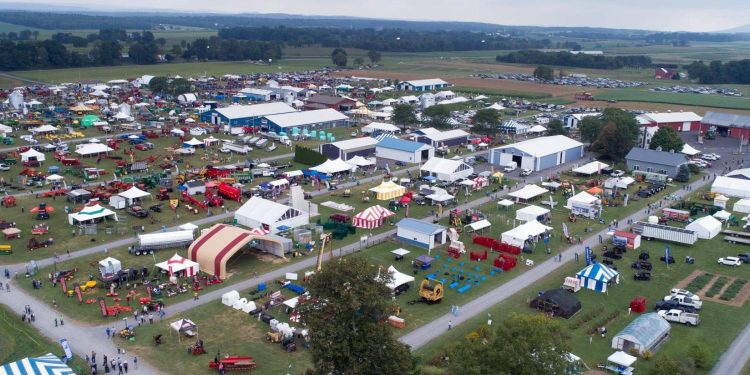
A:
[88, 120]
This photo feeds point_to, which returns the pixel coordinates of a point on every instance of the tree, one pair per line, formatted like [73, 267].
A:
[358, 61]
[486, 121]
[618, 134]
[343, 317]
[523, 344]
[143, 52]
[590, 127]
[544, 73]
[666, 138]
[556, 127]
[180, 86]
[683, 174]
[672, 366]
[159, 85]
[439, 116]
[106, 52]
[403, 114]
[176, 50]
[339, 57]
[374, 56]
[608, 143]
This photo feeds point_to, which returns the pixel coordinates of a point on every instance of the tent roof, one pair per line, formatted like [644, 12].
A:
[386, 187]
[441, 165]
[599, 272]
[92, 148]
[621, 358]
[91, 212]
[532, 228]
[528, 192]
[708, 223]
[332, 166]
[646, 329]
[360, 161]
[263, 210]
[481, 224]
[505, 203]
[591, 168]
[134, 193]
[381, 126]
[193, 142]
[183, 325]
[177, 263]
[44, 129]
[397, 278]
[107, 260]
[533, 210]
[583, 197]
[537, 129]
[48, 364]
[690, 150]
[567, 301]
[375, 212]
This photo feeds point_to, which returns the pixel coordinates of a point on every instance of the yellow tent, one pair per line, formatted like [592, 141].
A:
[388, 190]
[81, 108]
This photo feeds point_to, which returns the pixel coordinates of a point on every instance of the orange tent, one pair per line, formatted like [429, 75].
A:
[595, 190]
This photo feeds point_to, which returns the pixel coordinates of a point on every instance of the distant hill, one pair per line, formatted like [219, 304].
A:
[738, 29]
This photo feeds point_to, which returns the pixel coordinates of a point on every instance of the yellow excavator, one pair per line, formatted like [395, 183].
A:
[325, 241]
[431, 291]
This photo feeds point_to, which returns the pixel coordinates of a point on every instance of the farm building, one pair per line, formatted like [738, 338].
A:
[375, 128]
[312, 120]
[333, 102]
[426, 131]
[539, 153]
[644, 333]
[403, 151]
[727, 124]
[271, 216]
[244, 115]
[573, 120]
[350, 148]
[256, 95]
[654, 161]
[665, 73]
[446, 169]
[447, 138]
[558, 301]
[420, 233]
[423, 85]
[680, 121]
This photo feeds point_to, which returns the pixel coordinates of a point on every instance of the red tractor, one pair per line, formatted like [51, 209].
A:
[163, 194]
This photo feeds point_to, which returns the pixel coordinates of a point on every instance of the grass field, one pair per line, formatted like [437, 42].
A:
[718, 322]
[643, 95]
[21, 340]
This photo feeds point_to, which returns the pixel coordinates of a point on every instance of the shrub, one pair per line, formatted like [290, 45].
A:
[716, 288]
[732, 290]
[699, 282]
[647, 354]
[698, 354]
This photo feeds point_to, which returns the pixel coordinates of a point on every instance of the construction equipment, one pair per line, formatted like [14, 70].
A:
[325, 240]
[431, 291]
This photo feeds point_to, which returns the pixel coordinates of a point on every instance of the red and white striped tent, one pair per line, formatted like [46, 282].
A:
[480, 182]
[177, 263]
[259, 231]
[372, 217]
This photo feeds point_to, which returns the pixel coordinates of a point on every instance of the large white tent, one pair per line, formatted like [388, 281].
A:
[591, 168]
[32, 154]
[333, 166]
[518, 235]
[706, 227]
[43, 129]
[90, 214]
[690, 150]
[730, 186]
[133, 193]
[618, 182]
[397, 278]
[177, 263]
[531, 213]
[359, 161]
[88, 149]
[528, 192]
[742, 205]
[263, 213]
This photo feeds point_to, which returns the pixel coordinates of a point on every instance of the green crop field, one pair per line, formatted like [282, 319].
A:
[644, 95]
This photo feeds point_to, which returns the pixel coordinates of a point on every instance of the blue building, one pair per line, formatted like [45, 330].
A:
[539, 153]
[244, 115]
[404, 151]
[420, 233]
[423, 85]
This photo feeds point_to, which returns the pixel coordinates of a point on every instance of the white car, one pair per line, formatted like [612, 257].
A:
[525, 172]
[685, 293]
[730, 261]
[715, 156]
[709, 157]
[617, 173]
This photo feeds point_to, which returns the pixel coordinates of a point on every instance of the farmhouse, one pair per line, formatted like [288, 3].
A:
[654, 161]
[447, 138]
[539, 153]
[423, 85]
[420, 233]
[311, 120]
[404, 151]
[680, 121]
[244, 115]
[349, 148]
[329, 101]
[727, 124]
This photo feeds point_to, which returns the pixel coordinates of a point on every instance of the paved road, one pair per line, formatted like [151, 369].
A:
[428, 332]
[736, 356]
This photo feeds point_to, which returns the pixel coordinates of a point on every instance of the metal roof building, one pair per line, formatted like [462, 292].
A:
[727, 124]
[645, 332]
[539, 153]
[312, 120]
[244, 115]
[404, 151]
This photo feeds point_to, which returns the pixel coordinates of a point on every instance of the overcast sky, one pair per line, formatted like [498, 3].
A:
[682, 15]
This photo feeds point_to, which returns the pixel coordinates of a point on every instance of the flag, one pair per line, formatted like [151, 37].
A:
[565, 230]
[588, 255]
[666, 254]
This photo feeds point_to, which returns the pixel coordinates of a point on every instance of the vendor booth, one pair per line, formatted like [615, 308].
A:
[528, 192]
[109, 266]
[522, 233]
[532, 212]
[91, 214]
[179, 265]
[388, 190]
[585, 204]
[372, 217]
[598, 277]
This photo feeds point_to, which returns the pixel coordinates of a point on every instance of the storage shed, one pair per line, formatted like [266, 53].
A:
[645, 332]
[404, 151]
[349, 148]
[539, 153]
[446, 169]
[420, 233]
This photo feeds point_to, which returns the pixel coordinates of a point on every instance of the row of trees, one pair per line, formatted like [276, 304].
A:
[340, 57]
[21, 35]
[217, 48]
[612, 135]
[389, 40]
[737, 71]
[565, 58]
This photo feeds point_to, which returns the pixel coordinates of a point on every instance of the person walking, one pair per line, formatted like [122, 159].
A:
[195, 296]
[135, 362]
[125, 365]
[62, 323]
[55, 322]
[450, 325]
[107, 331]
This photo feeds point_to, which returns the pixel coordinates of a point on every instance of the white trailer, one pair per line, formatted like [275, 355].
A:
[666, 233]
[148, 243]
[234, 147]
[261, 143]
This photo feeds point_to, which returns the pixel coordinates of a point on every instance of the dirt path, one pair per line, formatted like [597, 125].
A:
[686, 281]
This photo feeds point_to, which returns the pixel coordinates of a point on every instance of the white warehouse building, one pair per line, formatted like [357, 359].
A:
[539, 153]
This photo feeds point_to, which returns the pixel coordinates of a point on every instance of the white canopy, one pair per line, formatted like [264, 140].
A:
[518, 235]
[44, 129]
[478, 225]
[90, 213]
[531, 213]
[133, 193]
[177, 263]
[505, 203]
[528, 192]
[731, 186]
[109, 265]
[92, 149]
[398, 278]
[621, 358]
[379, 126]
[591, 168]
[581, 198]
[537, 129]
[193, 142]
[742, 205]
[706, 227]
[6, 129]
[690, 150]
[359, 161]
[183, 325]
[333, 166]
[177, 132]
[32, 154]
[618, 182]
[722, 215]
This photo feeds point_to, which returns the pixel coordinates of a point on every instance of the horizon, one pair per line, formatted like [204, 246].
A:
[714, 17]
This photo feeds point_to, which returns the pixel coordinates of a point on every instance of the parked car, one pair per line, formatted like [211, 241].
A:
[340, 218]
[730, 261]
[137, 211]
[673, 305]
[709, 157]
[525, 172]
[678, 316]
[612, 254]
[641, 265]
[685, 301]
[4, 167]
[617, 173]
[642, 276]
[481, 159]
[743, 257]
[683, 292]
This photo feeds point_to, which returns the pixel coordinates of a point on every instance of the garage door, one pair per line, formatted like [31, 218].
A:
[686, 126]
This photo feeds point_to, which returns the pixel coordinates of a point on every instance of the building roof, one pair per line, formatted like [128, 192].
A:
[726, 119]
[420, 226]
[441, 165]
[265, 211]
[315, 116]
[427, 131]
[646, 329]
[446, 135]
[427, 82]
[667, 117]
[256, 110]
[255, 91]
[355, 143]
[545, 145]
[326, 99]
[656, 157]
[402, 145]
[381, 126]
[566, 302]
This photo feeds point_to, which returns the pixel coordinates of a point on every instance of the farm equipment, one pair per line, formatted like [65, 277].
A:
[187, 198]
[229, 192]
[233, 363]
[37, 244]
[6, 250]
[163, 195]
[8, 201]
[213, 200]
[431, 291]
[197, 348]
[39, 229]
[42, 211]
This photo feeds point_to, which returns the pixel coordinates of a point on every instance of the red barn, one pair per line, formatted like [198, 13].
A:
[680, 121]
[727, 124]
[664, 73]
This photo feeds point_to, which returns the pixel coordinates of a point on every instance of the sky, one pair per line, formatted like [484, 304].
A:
[667, 15]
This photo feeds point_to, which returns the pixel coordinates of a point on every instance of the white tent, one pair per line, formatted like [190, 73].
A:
[622, 359]
[518, 235]
[230, 298]
[497, 107]
[177, 263]
[379, 126]
[583, 198]
[44, 129]
[446, 169]
[177, 132]
[591, 168]
[359, 161]
[537, 129]
[193, 142]
[730, 186]
[53, 178]
[109, 266]
[397, 278]
[333, 166]
[262, 213]
[87, 149]
[531, 213]
[706, 227]
[528, 192]
[618, 182]
[90, 214]
[5, 129]
[505, 203]
[742, 205]
[133, 193]
[690, 150]
[183, 325]
[723, 215]
[32, 154]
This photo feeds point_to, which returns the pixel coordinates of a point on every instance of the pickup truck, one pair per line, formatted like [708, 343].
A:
[673, 305]
[510, 167]
[678, 316]
[685, 301]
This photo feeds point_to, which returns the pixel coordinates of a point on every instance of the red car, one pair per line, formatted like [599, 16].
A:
[340, 218]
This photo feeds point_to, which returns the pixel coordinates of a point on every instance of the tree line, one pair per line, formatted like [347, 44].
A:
[565, 58]
[737, 71]
[387, 40]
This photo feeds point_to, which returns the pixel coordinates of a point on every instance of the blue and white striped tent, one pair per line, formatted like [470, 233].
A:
[597, 277]
[47, 364]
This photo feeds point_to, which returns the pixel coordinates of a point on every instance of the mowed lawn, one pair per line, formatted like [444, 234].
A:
[644, 95]
[21, 340]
